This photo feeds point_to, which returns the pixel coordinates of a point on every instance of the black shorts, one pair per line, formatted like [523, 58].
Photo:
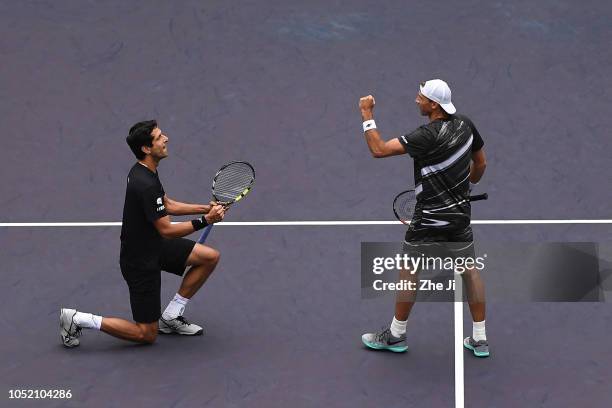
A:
[145, 283]
[454, 242]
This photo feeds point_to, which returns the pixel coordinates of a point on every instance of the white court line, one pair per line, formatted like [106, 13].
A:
[459, 373]
[305, 223]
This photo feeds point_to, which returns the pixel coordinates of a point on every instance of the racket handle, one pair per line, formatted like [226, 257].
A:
[205, 234]
[479, 197]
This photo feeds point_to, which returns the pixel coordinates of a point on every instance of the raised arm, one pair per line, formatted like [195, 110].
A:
[378, 147]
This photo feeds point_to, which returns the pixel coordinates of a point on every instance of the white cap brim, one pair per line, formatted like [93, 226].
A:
[428, 92]
[449, 108]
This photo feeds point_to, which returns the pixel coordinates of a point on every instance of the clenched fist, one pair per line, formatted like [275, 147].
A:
[366, 103]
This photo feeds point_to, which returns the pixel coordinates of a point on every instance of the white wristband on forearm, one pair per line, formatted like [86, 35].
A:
[369, 125]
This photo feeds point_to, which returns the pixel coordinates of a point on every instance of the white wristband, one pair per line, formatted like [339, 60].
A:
[369, 125]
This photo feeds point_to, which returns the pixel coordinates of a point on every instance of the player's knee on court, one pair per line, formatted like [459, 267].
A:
[148, 333]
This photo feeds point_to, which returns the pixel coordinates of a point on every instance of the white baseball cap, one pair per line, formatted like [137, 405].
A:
[438, 91]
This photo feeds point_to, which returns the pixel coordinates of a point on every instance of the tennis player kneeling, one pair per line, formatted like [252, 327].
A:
[150, 243]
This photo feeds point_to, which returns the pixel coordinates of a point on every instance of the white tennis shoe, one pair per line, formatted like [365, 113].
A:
[69, 330]
[179, 325]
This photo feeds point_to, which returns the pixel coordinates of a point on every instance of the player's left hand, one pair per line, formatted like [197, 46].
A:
[367, 102]
[215, 214]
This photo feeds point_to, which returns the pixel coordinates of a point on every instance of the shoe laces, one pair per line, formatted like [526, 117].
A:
[183, 320]
[479, 342]
[77, 331]
[384, 334]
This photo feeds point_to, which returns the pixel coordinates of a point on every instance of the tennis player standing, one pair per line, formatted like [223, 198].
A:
[150, 243]
[448, 155]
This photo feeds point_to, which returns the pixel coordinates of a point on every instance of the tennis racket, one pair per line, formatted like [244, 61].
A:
[232, 182]
[404, 202]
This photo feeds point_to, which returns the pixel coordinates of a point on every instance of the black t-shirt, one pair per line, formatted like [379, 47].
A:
[144, 204]
[442, 151]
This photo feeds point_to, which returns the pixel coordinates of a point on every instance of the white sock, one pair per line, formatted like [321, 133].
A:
[398, 327]
[175, 308]
[478, 331]
[87, 320]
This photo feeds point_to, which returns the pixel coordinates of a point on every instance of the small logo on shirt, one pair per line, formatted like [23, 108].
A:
[160, 202]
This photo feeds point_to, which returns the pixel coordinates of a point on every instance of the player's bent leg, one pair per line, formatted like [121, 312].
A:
[203, 254]
[203, 260]
[145, 333]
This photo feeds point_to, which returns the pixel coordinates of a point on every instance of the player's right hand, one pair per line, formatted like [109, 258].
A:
[367, 103]
[216, 214]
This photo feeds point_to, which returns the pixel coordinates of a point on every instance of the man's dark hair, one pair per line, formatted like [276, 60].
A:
[140, 135]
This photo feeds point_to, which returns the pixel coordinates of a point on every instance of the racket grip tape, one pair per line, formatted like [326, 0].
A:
[479, 197]
[205, 233]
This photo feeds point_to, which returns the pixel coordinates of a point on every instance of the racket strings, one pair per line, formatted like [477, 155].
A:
[404, 205]
[232, 181]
